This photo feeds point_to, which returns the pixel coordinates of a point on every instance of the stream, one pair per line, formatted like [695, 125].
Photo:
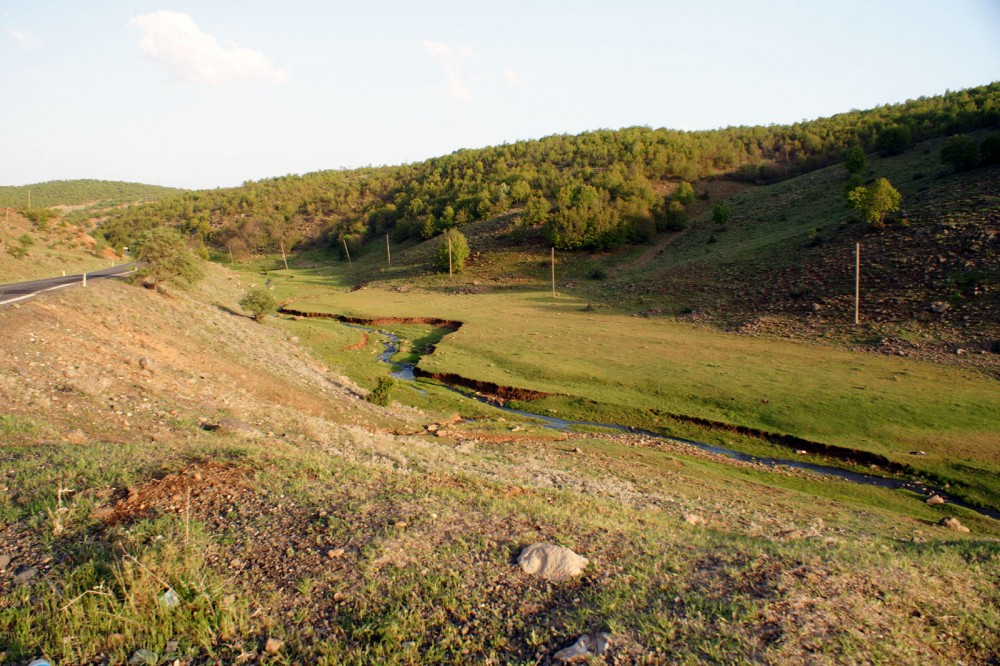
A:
[404, 372]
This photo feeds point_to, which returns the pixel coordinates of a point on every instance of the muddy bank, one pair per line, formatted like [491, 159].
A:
[489, 390]
[375, 321]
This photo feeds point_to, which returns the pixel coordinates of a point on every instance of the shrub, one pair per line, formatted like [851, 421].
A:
[453, 250]
[674, 218]
[380, 394]
[876, 201]
[961, 152]
[989, 150]
[259, 301]
[855, 161]
[684, 194]
[721, 214]
[893, 140]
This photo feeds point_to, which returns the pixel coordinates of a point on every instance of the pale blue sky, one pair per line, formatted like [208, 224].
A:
[213, 93]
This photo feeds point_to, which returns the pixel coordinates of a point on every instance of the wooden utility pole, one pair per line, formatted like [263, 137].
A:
[857, 285]
[283, 258]
[449, 257]
[346, 251]
[29, 199]
[553, 272]
[231, 262]
[388, 255]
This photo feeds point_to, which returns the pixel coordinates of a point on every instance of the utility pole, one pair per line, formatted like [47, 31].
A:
[388, 255]
[449, 257]
[231, 262]
[553, 272]
[282, 243]
[857, 285]
[348, 252]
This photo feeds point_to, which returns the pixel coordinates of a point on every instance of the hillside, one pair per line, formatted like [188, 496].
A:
[31, 249]
[83, 191]
[597, 190]
[180, 482]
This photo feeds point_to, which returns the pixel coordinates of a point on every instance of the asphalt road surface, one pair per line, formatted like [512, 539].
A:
[19, 291]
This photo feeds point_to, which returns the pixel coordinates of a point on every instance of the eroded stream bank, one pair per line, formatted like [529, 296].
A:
[498, 396]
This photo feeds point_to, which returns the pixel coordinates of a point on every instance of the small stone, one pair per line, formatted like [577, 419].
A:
[4, 561]
[142, 656]
[692, 519]
[169, 599]
[578, 450]
[24, 574]
[918, 453]
[76, 436]
[584, 648]
[273, 645]
[339, 596]
[197, 476]
[552, 562]
[940, 307]
[335, 553]
[953, 523]
[935, 500]
[401, 524]
[146, 364]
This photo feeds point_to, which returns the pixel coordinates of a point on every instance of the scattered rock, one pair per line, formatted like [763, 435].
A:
[584, 648]
[234, 426]
[918, 453]
[934, 500]
[4, 561]
[77, 437]
[273, 645]
[953, 523]
[692, 519]
[334, 554]
[939, 307]
[551, 562]
[142, 656]
[146, 364]
[24, 574]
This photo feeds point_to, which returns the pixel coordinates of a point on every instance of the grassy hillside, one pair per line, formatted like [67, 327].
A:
[29, 250]
[180, 482]
[83, 191]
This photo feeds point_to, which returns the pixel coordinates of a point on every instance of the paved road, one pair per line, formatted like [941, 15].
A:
[19, 291]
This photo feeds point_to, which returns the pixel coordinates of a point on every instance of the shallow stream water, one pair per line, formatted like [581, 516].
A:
[404, 372]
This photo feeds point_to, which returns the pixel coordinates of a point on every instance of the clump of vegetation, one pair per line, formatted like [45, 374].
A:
[163, 256]
[721, 214]
[876, 201]
[894, 140]
[12, 424]
[259, 301]
[452, 251]
[855, 161]
[961, 152]
[380, 395]
[19, 249]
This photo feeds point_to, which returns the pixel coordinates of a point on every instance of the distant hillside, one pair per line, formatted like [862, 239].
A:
[75, 192]
[596, 190]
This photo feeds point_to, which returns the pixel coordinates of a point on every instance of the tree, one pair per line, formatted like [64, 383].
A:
[855, 161]
[454, 249]
[162, 256]
[961, 152]
[893, 140]
[259, 301]
[876, 201]
[684, 194]
[380, 395]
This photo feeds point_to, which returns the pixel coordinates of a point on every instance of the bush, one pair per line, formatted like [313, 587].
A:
[684, 194]
[876, 201]
[893, 140]
[453, 250]
[961, 152]
[855, 161]
[380, 394]
[721, 214]
[989, 150]
[259, 301]
[674, 218]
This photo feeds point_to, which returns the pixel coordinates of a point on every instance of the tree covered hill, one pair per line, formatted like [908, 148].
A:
[595, 190]
[75, 192]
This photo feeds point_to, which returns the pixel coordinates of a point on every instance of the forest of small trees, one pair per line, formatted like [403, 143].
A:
[588, 191]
